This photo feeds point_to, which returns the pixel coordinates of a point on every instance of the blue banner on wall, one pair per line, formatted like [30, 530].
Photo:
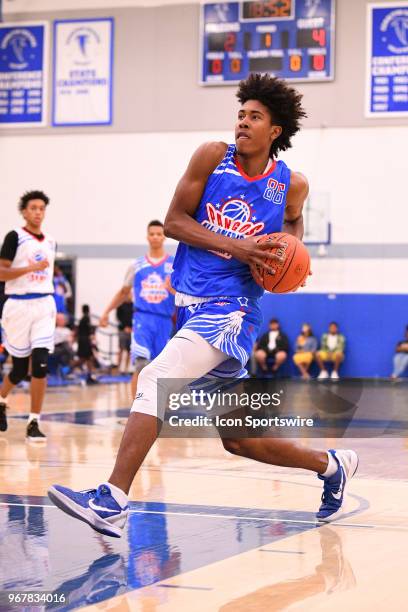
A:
[83, 66]
[23, 74]
[387, 75]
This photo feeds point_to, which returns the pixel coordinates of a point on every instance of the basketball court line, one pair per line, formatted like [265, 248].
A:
[155, 536]
[281, 519]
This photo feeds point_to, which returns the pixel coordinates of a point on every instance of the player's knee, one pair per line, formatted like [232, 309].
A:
[19, 370]
[39, 362]
[154, 380]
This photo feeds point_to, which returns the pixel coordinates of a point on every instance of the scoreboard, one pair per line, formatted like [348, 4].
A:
[290, 39]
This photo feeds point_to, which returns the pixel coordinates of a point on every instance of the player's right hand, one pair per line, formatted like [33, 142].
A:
[39, 265]
[253, 253]
[104, 320]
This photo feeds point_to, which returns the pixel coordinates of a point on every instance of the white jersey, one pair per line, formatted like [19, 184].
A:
[30, 250]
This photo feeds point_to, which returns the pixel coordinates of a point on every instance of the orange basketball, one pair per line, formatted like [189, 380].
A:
[292, 272]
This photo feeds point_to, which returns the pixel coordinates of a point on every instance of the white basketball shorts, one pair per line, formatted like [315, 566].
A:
[28, 324]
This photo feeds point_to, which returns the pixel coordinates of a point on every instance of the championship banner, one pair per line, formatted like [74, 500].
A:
[83, 66]
[387, 60]
[23, 74]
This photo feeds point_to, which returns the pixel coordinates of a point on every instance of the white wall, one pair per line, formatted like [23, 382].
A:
[99, 279]
[105, 188]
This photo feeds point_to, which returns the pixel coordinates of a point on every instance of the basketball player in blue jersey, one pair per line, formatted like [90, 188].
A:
[227, 197]
[149, 279]
[28, 320]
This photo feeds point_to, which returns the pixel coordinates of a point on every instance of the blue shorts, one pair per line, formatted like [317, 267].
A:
[231, 324]
[150, 335]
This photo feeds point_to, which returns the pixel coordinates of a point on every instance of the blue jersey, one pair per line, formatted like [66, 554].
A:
[238, 206]
[149, 290]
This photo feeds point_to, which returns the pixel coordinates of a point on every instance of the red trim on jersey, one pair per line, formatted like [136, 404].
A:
[159, 263]
[258, 176]
[39, 237]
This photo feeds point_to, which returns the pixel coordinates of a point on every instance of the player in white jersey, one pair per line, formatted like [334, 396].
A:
[28, 320]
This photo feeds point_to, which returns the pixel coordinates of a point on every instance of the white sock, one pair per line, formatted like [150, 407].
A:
[32, 416]
[332, 466]
[117, 494]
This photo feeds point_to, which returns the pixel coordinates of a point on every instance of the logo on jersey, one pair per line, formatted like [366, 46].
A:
[153, 289]
[38, 275]
[232, 219]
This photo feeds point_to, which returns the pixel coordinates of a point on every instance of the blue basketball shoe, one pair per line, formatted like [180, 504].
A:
[333, 489]
[96, 507]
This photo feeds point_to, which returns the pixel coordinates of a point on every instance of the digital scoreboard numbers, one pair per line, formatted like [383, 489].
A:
[290, 39]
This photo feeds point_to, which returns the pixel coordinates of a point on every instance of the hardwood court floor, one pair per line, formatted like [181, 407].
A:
[207, 531]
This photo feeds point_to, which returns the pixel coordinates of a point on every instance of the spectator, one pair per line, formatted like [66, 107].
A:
[401, 357]
[63, 338]
[272, 348]
[306, 346]
[85, 336]
[124, 314]
[332, 347]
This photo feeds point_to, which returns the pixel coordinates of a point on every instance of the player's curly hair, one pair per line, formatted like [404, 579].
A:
[283, 102]
[32, 195]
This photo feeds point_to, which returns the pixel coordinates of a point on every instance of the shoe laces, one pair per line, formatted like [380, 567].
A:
[101, 490]
[89, 492]
[328, 489]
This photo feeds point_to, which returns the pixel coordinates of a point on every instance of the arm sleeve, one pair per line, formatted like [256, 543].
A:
[129, 276]
[9, 248]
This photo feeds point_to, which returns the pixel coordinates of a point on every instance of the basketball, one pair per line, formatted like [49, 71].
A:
[292, 272]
